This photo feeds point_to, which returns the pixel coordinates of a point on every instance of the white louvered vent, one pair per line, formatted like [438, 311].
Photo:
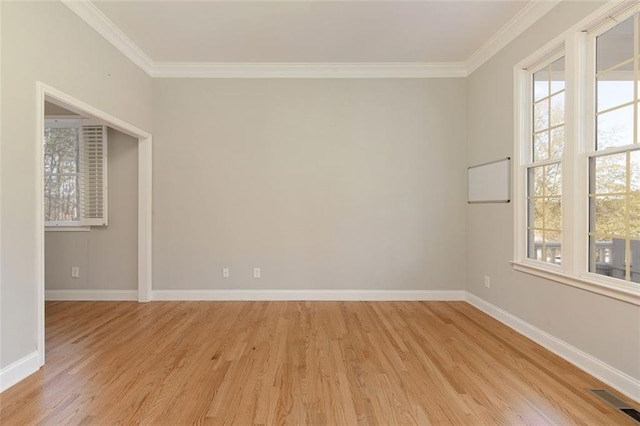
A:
[93, 166]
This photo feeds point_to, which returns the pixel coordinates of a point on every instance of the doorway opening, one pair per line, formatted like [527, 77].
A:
[54, 97]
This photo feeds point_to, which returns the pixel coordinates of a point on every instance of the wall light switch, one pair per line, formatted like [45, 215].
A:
[75, 272]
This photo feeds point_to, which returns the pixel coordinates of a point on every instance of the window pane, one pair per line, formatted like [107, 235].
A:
[546, 246]
[545, 213]
[541, 146]
[635, 171]
[545, 180]
[634, 215]
[553, 247]
[553, 253]
[536, 181]
[557, 109]
[541, 115]
[635, 261]
[541, 84]
[535, 249]
[615, 219]
[537, 214]
[548, 111]
[61, 150]
[618, 258]
[615, 128]
[609, 257]
[602, 250]
[557, 142]
[615, 46]
[638, 82]
[557, 75]
[61, 199]
[610, 174]
[553, 213]
[609, 215]
[545, 209]
[614, 93]
[553, 179]
[544, 217]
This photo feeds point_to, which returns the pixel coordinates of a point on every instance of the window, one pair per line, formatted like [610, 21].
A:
[61, 174]
[544, 172]
[577, 183]
[74, 173]
[614, 160]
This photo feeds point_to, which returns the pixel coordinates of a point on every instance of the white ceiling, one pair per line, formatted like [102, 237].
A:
[306, 38]
[310, 31]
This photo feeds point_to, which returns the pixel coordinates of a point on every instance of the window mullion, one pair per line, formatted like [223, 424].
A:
[544, 163]
[582, 132]
[549, 78]
[627, 218]
[636, 77]
[614, 150]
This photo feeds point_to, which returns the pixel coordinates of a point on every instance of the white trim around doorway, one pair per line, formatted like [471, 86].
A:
[51, 94]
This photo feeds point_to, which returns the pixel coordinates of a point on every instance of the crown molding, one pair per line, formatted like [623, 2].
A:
[97, 20]
[309, 70]
[89, 13]
[532, 12]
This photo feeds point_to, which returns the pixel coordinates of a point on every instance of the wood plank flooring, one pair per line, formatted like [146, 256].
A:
[297, 363]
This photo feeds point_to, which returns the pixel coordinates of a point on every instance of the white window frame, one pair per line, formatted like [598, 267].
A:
[578, 47]
[590, 151]
[526, 155]
[65, 122]
[84, 224]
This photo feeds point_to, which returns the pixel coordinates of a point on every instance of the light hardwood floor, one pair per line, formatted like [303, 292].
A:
[336, 363]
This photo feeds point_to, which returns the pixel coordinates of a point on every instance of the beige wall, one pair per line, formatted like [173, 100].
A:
[45, 41]
[51, 109]
[324, 184]
[600, 326]
[107, 256]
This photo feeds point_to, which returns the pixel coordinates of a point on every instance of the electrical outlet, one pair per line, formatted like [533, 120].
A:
[75, 272]
[225, 272]
[256, 272]
[487, 281]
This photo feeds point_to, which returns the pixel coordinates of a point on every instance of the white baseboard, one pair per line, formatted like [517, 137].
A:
[602, 371]
[90, 295]
[19, 370]
[318, 295]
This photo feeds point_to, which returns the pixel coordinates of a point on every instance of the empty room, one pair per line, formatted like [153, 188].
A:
[320, 212]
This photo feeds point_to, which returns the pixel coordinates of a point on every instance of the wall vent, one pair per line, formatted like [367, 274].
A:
[617, 403]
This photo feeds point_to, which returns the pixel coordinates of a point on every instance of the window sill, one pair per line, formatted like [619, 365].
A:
[67, 228]
[627, 292]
